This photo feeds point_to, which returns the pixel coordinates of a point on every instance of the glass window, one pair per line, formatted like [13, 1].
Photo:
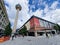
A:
[2, 19]
[0, 8]
[0, 16]
[41, 23]
[2, 12]
[51, 25]
[3, 25]
[48, 25]
[0, 23]
[44, 23]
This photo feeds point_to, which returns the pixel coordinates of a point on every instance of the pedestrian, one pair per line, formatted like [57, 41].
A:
[12, 37]
[15, 35]
[23, 35]
[47, 35]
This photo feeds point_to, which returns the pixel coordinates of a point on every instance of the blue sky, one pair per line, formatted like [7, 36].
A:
[46, 9]
[41, 4]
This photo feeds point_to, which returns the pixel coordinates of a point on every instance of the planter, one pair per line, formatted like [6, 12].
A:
[6, 38]
[2, 39]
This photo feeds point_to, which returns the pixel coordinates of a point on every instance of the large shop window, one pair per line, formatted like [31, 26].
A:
[47, 24]
[41, 23]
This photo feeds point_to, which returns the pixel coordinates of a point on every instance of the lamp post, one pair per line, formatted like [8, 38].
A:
[18, 8]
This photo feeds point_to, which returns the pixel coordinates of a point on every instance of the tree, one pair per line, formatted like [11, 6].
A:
[23, 31]
[8, 30]
[57, 27]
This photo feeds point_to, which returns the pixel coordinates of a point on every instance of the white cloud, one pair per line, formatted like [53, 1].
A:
[12, 11]
[54, 5]
[38, 13]
[46, 8]
[51, 15]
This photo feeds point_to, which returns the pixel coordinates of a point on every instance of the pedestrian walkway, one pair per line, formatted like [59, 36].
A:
[27, 40]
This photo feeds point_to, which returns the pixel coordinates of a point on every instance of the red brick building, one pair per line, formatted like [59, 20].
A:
[36, 25]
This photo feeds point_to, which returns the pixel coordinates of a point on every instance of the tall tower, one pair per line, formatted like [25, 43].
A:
[18, 8]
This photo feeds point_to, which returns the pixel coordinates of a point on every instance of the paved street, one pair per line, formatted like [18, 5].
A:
[42, 40]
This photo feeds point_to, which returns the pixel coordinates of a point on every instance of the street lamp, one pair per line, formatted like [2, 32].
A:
[18, 8]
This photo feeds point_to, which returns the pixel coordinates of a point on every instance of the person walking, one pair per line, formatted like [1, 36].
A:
[12, 37]
[47, 35]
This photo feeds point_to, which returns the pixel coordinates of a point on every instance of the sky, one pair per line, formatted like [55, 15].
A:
[46, 9]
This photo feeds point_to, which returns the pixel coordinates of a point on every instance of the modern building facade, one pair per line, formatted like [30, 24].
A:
[3, 17]
[36, 25]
